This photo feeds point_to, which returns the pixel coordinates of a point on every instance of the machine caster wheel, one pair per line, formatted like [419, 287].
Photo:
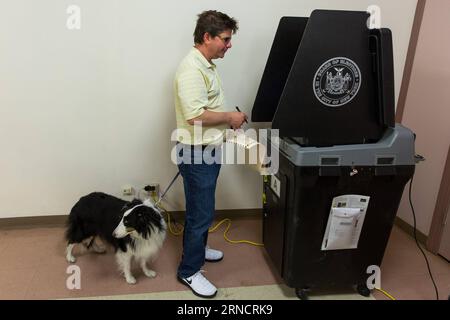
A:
[363, 290]
[302, 294]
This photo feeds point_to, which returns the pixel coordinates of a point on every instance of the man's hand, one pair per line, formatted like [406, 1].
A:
[236, 119]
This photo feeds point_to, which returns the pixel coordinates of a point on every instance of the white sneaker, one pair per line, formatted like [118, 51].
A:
[199, 285]
[212, 255]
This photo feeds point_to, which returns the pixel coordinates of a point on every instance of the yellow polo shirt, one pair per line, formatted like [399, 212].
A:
[197, 87]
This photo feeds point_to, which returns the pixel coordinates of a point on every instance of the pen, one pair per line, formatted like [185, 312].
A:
[237, 108]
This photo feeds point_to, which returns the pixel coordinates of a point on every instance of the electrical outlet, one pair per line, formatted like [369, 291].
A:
[152, 189]
[127, 190]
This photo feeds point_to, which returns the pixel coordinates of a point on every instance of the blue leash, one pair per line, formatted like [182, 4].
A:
[167, 189]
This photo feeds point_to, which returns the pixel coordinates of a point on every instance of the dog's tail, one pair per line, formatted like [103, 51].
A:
[74, 228]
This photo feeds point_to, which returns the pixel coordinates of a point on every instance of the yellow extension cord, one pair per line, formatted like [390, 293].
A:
[212, 229]
[385, 293]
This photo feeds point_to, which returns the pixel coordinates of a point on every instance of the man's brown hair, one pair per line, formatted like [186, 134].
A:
[213, 22]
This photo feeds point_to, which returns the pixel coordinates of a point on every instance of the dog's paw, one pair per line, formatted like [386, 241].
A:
[150, 273]
[131, 280]
[71, 259]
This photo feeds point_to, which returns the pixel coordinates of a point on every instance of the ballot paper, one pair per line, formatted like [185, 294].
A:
[345, 222]
[243, 148]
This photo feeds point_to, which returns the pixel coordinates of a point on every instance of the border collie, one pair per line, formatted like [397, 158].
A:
[135, 229]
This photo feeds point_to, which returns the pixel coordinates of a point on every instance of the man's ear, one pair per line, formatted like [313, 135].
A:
[207, 37]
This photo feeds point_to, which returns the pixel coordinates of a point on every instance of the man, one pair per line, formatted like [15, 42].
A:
[199, 101]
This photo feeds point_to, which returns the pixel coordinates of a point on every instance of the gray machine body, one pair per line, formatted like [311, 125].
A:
[395, 148]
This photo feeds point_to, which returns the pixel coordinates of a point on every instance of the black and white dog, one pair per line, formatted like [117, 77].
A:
[135, 229]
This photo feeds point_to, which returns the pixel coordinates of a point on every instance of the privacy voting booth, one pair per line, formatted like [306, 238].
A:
[328, 87]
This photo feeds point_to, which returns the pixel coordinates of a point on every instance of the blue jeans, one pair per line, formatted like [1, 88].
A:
[199, 179]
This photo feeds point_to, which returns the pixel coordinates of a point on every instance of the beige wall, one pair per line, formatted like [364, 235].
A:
[92, 110]
[427, 111]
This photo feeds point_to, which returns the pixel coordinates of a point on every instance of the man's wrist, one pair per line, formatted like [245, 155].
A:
[227, 117]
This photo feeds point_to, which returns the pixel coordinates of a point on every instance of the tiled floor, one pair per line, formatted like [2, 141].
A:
[33, 266]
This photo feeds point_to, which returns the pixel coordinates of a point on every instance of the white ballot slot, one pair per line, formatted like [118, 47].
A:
[345, 222]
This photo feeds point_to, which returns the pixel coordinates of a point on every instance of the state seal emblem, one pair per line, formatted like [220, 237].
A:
[337, 82]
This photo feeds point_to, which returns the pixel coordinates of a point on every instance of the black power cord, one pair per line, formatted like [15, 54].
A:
[417, 242]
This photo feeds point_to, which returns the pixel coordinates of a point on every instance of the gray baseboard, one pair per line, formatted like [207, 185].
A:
[33, 222]
[422, 238]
